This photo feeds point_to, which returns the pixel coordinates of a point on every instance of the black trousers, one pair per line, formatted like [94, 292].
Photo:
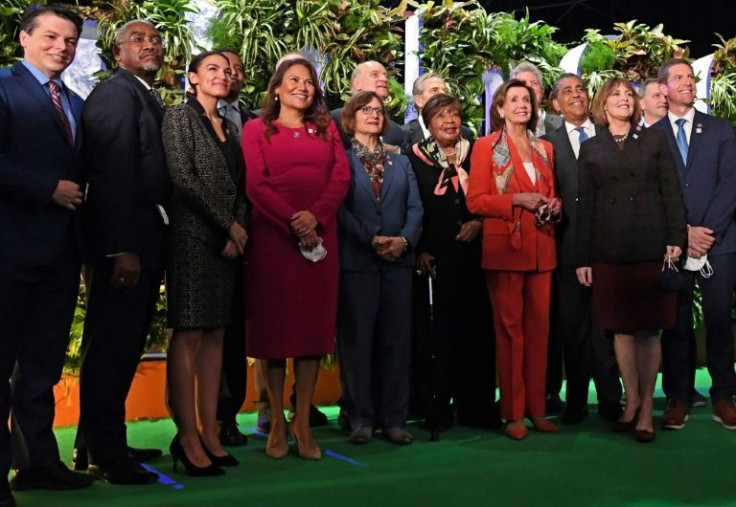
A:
[115, 331]
[553, 383]
[455, 356]
[678, 345]
[36, 310]
[587, 351]
[234, 363]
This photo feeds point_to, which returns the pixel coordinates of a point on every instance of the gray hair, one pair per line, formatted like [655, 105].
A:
[558, 82]
[357, 71]
[418, 86]
[527, 67]
[123, 29]
[643, 88]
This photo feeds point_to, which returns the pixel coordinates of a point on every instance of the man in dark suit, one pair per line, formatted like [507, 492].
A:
[40, 243]
[125, 224]
[705, 153]
[371, 76]
[586, 350]
[234, 364]
[424, 88]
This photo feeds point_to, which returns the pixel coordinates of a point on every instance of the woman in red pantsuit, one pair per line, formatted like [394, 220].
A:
[297, 175]
[512, 186]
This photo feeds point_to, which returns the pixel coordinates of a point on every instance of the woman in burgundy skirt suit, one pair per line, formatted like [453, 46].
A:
[630, 217]
[297, 176]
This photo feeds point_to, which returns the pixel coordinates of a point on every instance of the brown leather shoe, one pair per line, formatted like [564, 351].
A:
[675, 417]
[724, 412]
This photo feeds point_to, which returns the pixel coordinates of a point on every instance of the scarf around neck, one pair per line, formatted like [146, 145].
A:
[373, 163]
[430, 153]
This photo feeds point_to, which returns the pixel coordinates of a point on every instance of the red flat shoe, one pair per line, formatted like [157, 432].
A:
[516, 432]
[545, 426]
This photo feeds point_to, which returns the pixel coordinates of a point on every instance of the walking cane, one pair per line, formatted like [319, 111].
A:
[433, 423]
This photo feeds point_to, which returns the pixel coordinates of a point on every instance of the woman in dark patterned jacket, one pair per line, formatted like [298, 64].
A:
[206, 240]
[630, 217]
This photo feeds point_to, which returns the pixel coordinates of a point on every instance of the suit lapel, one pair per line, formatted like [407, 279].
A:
[388, 175]
[697, 136]
[146, 94]
[39, 95]
[665, 126]
[362, 179]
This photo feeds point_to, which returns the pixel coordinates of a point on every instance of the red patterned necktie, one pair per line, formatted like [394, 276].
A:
[56, 100]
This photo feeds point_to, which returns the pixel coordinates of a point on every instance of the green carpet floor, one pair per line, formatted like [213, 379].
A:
[583, 465]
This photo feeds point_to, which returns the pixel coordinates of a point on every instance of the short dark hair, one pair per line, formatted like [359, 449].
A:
[437, 103]
[356, 102]
[29, 20]
[558, 82]
[664, 71]
[499, 98]
[605, 91]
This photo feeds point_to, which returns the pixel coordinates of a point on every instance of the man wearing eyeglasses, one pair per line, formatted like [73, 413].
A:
[125, 223]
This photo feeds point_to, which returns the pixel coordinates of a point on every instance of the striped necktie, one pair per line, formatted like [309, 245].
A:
[56, 100]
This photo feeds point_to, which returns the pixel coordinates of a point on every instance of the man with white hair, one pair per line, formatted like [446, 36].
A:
[531, 75]
[371, 76]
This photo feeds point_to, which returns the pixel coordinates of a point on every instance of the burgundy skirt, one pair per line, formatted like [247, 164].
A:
[627, 297]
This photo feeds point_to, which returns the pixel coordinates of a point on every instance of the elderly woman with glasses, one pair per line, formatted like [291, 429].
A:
[456, 357]
[379, 226]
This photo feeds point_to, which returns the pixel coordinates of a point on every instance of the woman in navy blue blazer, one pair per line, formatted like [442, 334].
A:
[379, 224]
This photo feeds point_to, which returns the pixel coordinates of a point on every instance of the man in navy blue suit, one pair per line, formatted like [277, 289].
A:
[40, 196]
[705, 153]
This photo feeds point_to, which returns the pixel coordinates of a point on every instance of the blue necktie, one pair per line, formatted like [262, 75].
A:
[682, 139]
[581, 131]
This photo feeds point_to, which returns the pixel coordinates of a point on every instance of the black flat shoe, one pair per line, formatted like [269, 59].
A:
[178, 454]
[398, 436]
[230, 435]
[228, 460]
[55, 477]
[143, 455]
[361, 435]
[124, 471]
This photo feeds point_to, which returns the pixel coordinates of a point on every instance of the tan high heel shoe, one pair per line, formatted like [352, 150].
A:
[313, 454]
[276, 447]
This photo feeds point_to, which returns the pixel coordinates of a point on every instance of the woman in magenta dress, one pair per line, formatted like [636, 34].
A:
[297, 176]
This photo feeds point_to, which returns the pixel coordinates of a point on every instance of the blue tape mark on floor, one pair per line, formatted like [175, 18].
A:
[333, 454]
[163, 479]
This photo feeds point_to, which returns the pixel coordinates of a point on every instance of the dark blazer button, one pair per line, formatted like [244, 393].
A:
[631, 198]
[613, 200]
[457, 201]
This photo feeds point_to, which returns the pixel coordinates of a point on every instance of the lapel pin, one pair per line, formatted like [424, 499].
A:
[699, 128]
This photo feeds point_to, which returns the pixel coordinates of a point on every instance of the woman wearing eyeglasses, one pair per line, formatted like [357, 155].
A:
[379, 225]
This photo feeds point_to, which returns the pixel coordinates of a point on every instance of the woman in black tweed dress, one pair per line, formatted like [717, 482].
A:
[206, 240]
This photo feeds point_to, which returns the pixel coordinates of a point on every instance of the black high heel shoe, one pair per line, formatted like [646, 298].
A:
[228, 460]
[178, 454]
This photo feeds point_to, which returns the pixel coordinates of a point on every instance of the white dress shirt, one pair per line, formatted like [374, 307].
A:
[574, 135]
[688, 127]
